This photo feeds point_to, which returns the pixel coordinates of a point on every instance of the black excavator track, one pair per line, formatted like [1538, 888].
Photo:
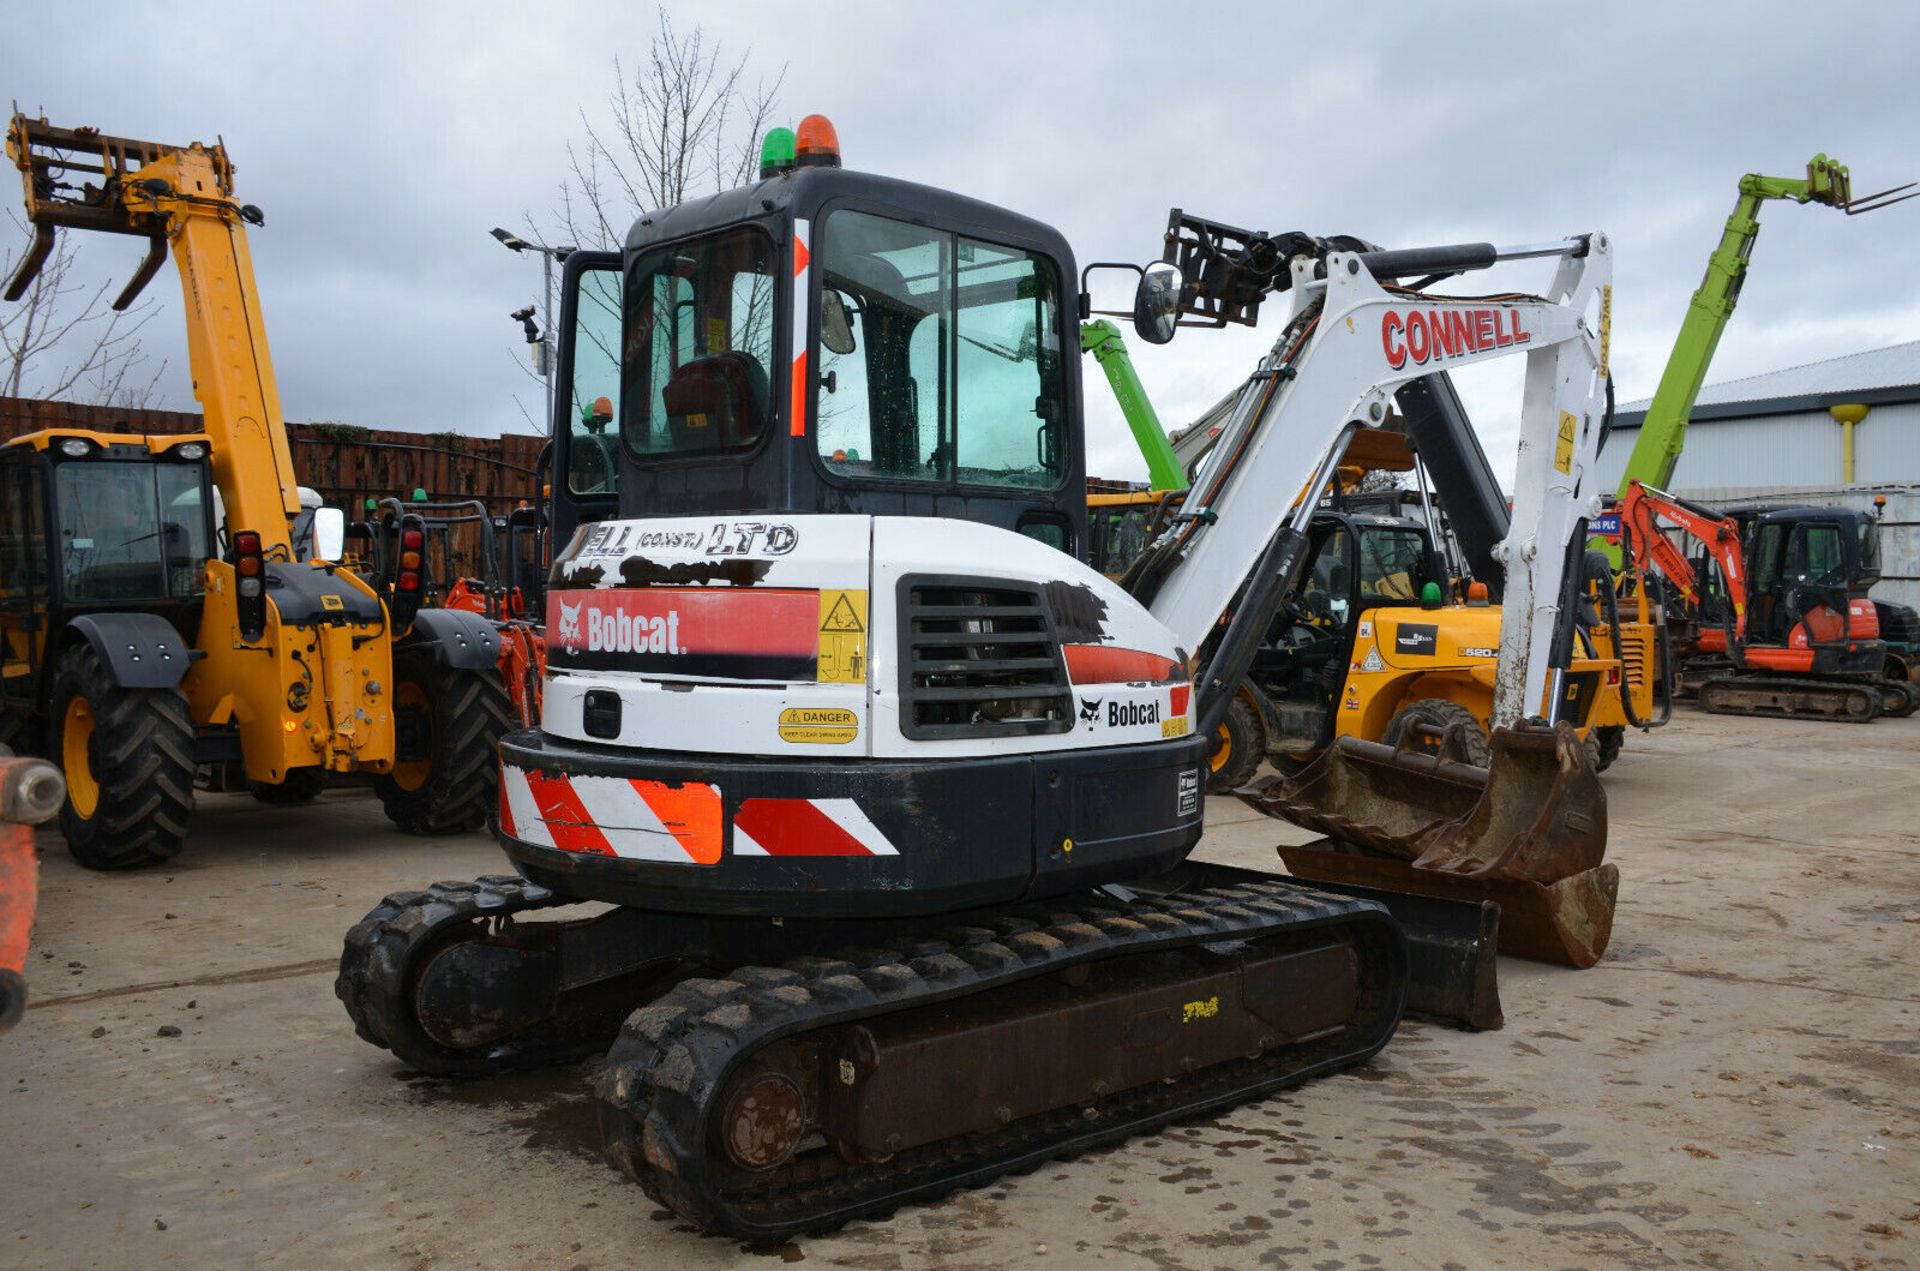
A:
[839, 1082]
[386, 951]
[1787, 697]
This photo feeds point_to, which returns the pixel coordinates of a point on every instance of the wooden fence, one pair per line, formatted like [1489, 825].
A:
[345, 463]
[348, 464]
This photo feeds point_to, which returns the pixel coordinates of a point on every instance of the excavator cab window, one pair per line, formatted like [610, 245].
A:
[129, 530]
[939, 359]
[592, 422]
[1869, 572]
[699, 346]
[1817, 554]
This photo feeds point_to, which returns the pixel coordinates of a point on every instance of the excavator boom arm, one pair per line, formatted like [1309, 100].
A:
[1640, 515]
[1352, 343]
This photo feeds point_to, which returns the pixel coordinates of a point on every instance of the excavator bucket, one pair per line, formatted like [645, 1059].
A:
[1543, 816]
[1528, 832]
[1567, 921]
[1394, 801]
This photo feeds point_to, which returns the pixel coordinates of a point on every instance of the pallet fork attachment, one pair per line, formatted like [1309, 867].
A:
[54, 166]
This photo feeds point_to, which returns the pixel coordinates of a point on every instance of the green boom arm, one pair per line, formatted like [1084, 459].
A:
[1657, 450]
[1102, 339]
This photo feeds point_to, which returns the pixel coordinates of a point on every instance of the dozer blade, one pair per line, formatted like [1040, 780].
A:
[1567, 922]
[1452, 971]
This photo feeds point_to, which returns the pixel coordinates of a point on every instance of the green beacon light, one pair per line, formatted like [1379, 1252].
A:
[1430, 596]
[776, 152]
[419, 494]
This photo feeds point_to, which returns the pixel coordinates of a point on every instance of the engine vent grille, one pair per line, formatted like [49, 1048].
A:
[1635, 644]
[979, 658]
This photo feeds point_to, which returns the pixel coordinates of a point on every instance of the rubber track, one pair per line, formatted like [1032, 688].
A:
[143, 741]
[1769, 682]
[1898, 698]
[673, 1056]
[379, 959]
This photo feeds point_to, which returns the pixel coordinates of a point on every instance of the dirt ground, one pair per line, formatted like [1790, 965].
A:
[1736, 1084]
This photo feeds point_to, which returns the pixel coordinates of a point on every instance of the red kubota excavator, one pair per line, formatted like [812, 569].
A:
[892, 794]
[1801, 637]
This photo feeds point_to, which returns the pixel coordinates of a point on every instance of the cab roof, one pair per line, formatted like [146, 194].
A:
[808, 193]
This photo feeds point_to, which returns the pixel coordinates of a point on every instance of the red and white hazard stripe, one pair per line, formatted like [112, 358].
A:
[802, 382]
[807, 827]
[612, 816]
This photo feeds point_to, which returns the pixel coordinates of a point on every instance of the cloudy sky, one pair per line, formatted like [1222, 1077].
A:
[384, 140]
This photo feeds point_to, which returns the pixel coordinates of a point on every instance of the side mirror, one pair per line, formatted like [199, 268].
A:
[836, 332]
[1156, 302]
[329, 534]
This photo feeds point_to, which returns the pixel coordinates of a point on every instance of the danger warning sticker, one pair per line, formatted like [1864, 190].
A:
[816, 725]
[843, 637]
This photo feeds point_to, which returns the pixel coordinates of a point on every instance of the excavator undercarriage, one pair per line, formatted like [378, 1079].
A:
[778, 1078]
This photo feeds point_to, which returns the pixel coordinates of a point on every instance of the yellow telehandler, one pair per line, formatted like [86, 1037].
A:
[164, 603]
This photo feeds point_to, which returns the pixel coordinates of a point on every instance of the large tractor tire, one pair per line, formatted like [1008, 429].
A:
[1239, 746]
[1603, 745]
[128, 758]
[302, 785]
[1439, 714]
[453, 720]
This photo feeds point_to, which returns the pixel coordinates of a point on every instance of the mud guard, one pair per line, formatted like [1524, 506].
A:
[140, 650]
[461, 640]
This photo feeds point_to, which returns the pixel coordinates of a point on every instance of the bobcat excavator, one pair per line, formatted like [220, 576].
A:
[142, 633]
[891, 794]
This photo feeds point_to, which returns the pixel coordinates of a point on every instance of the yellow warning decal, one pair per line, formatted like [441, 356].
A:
[1606, 328]
[818, 725]
[1199, 1010]
[843, 637]
[1563, 444]
[331, 601]
[1175, 727]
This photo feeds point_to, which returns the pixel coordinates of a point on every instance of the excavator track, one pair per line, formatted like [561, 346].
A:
[779, 1100]
[1785, 697]
[387, 952]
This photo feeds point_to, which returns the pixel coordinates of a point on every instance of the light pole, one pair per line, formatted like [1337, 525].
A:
[549, 256]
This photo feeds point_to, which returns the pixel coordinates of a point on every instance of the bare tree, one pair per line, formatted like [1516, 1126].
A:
[63, 339]
[685, 121]
[682, 121]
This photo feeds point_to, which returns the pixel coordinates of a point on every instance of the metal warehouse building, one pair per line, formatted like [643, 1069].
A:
[1838, 432]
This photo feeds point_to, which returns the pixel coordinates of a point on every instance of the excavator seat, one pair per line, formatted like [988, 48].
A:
[716, 402]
